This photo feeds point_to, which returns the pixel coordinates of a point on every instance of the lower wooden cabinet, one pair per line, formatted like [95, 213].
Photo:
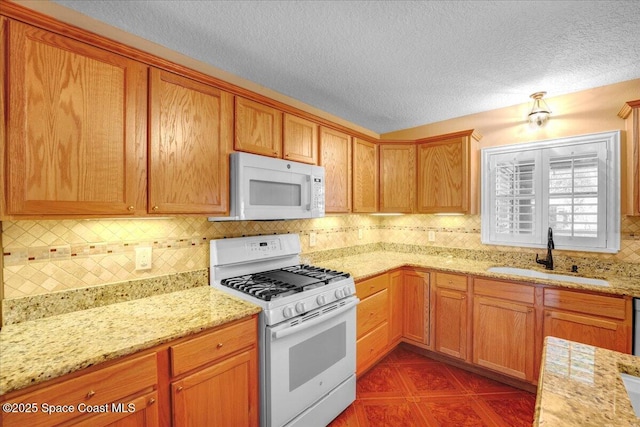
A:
[450, 315]
[224, 394]
[396, 306]
[416, 306]
[372, 324]
[599, 320]
[145, 414]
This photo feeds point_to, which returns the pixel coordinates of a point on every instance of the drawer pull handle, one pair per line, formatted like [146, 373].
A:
[152, 401]
[219, 345]
[450, 282]
[91, 394]
[179, 389]
[130, 208]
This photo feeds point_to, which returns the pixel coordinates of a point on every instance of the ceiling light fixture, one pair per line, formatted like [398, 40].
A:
[540, 112]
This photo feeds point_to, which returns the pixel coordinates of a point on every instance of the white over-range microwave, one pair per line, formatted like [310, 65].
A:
[264, 188]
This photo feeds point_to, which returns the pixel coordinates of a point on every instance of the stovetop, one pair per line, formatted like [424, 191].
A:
[283, 282]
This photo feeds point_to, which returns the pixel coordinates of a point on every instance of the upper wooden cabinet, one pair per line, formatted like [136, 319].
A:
[258, 128]
[76, 127]
[191, 128]
[335, 156]
[397, 177]
[365, 176]
[444, 170]
[631, 112]
[300, 140]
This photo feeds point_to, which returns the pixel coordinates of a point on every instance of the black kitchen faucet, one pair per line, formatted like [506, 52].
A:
[548, 262]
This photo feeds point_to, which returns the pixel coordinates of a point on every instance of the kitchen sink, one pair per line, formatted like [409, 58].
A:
[551, 276]
[632, 385]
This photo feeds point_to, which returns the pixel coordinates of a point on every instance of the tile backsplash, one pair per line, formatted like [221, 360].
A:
[41, 257]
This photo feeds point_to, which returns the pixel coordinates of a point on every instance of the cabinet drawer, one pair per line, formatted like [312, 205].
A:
[598, 305]
[451, 281]
[371, 346]
[371, 286]
[504, 290]
[107, 385]
[372, 311]
[212, 346]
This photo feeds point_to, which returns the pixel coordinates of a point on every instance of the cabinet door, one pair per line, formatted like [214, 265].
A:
[137, 412]
[503, 336]
[451, 322]
[365, 176]
[396, 306]
[190, 133]
[76, 129]
[592, 330]
[397, 177]
[258, 128]
[416, 306]
[335, 156]
[443, 176]
[225, 394]
[300, 140]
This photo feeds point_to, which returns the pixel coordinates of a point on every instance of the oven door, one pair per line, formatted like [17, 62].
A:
[306, 361]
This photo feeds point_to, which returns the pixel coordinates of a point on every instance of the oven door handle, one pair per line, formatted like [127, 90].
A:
[310, 323]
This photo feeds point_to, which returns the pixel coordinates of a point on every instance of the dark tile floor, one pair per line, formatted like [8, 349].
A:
[408, 389]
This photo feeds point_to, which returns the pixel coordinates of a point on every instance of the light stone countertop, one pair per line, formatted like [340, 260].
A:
[370, 264]
[580, 385]
[35, 351]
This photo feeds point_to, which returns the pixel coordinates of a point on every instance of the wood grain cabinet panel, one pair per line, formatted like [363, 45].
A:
[191, 135]
[450, 315]
[396, 306]
[225, 394]
[145, 414]
[416, 306]
[365, 176]
[258, 128]
[300, 141]
[335, 156]
[504, 336]
[397, 177]
[371, 347]
[631, 113]
[76, 127]
[371, 312]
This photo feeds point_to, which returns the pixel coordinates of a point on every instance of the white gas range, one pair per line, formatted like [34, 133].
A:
[307, 338]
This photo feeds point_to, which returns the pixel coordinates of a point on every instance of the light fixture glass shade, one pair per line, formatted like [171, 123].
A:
[540, 111]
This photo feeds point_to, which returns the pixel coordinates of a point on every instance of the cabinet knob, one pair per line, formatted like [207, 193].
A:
[219, 345]
[179, 389]
[155, 208]
[90, 394]
[450, 282]
[130, 208]
[152, 401]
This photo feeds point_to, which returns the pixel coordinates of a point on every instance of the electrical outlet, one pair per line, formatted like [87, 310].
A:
[431, 236]
[143, 258]
[360, 233]
[312, 239]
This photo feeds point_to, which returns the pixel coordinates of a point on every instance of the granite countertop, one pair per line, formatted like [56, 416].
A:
[580, 385]
[35, 351]
[370, 264]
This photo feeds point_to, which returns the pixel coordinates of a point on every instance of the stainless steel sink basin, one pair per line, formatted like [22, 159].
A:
[632, 385]
[551, 276]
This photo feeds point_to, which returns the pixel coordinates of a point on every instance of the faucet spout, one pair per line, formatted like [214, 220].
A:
[548, 261]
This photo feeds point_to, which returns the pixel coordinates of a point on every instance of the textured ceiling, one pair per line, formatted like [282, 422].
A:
[390, 65]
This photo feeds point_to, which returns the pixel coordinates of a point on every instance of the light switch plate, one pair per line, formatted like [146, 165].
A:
[312, 239]
[143, 258]
[359, 233]
[431, 236]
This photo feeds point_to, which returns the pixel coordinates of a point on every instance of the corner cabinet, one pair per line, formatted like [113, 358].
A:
[444, 171]
[416, 294]
[258, 128]
[191, 133]
[397, 177]
[76, 127]
[335, 156]
[631, 113]
[365, 176]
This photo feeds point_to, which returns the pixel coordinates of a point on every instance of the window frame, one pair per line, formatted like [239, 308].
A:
[540, 150]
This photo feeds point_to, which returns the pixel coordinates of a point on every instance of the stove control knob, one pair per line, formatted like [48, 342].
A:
[339, 294]
[300, 307]
[347, 291]
[288, 312]
[321, 300]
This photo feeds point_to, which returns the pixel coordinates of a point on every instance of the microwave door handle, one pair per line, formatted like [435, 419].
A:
[309, 188]
[310, 323]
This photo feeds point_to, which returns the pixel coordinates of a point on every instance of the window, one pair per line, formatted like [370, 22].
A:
[571, 185]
